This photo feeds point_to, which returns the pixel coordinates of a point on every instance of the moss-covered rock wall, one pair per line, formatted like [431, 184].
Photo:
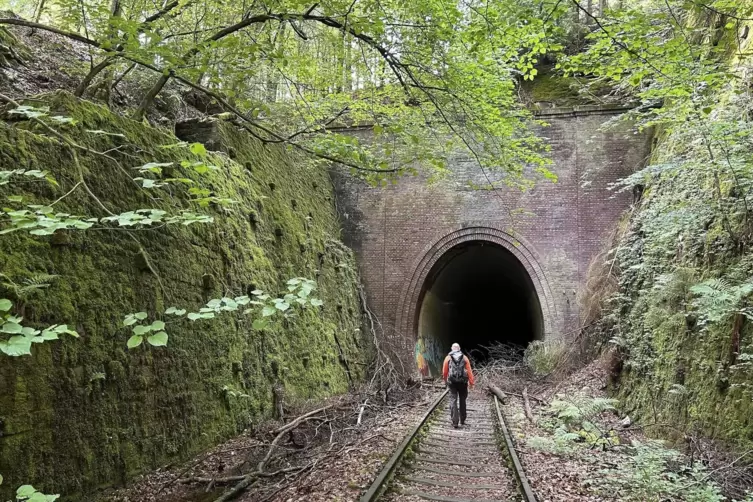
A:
[681, 316]
[81, 414]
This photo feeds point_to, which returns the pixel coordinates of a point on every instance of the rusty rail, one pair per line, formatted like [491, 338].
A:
[379, 483]
[525, 487]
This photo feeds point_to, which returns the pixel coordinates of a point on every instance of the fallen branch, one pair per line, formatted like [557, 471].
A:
[527, 406]
[360, 413]
[250, 479]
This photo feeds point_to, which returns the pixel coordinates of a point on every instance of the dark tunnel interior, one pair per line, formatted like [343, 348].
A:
[477, 293]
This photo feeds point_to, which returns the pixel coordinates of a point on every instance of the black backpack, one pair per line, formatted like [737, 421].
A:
[457, 370]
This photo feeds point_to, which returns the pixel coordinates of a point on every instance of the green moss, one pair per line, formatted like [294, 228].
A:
[68, 433]
[684, 375]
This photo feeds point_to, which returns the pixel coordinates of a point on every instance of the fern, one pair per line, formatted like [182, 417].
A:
[29, 286]
[716, 299]
[574, 411]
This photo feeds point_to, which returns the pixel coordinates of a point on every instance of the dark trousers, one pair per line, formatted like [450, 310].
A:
[457, 390]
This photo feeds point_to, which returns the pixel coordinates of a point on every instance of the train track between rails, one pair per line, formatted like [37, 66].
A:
[436, 462]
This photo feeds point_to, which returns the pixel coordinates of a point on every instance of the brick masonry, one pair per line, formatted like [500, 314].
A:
[399, 232]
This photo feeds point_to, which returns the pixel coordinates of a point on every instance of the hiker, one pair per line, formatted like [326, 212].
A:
[458, 375]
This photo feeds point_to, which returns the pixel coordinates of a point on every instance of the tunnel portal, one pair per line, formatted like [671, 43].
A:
[478, 293]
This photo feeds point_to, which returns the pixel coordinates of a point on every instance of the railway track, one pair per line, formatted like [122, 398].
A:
[475, 463]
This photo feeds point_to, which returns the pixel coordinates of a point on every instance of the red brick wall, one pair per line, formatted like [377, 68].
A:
[398, 232]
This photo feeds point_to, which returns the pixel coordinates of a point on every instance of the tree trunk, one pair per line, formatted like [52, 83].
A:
[84, 84]
[38, 13]
[109, 76]
[149, 97]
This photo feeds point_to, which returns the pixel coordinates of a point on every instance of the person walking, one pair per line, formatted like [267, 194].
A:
[458, 375]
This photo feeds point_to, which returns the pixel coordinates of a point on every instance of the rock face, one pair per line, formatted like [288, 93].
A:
[84, 414]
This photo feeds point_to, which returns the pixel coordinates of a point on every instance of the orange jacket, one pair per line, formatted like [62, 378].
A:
[446, 369]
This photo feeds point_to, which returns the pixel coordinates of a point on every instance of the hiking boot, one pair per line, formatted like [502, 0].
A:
[455, 425]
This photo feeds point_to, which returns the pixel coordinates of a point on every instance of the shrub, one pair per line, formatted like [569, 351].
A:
[543, 357]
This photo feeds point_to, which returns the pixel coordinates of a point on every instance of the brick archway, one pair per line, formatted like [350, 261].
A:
[410, 296]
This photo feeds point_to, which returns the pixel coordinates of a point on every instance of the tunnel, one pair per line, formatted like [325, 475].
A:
[476, 294]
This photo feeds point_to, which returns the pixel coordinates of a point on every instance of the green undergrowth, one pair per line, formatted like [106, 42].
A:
[681, 317]
[577, 427]
[84, 414]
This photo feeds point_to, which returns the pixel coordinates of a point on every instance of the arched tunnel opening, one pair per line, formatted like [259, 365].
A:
[477, 294]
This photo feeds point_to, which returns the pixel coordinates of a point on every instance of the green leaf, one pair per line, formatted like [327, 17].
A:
[11, 328]
[135, 341]
[316, 302]
[158, 339]
[158, 326]
[260, 324]
[5, 305]
[140, 315]
[129, 320]
[16, 346]
[70, 332]
[194, 316]
[175, 311]
[198, 149]
[49, 334]
[141, 330]
[282, 306]
[268, 311]
[25, 491]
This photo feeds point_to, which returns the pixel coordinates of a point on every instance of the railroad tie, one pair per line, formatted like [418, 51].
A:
[454, 473]
[443, 498]
[451, 455]
[432, 460]
[449, 464]
[450, 484]
[465, 446]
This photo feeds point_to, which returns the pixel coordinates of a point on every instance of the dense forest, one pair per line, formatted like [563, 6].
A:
[171, 264]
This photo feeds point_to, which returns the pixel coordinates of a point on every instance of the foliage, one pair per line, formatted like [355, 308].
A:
[561, 442]
[230, 391]
[654, 473]
[544, 356]
[435, 79]
[260, 303]
[27, 493]
[717, 299]
[104, 274]
[5, 176]
[18, 339]
[576, 411]
[572, 419]
[30, 286]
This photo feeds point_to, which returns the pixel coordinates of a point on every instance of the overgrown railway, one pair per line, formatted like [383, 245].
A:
[475, 463]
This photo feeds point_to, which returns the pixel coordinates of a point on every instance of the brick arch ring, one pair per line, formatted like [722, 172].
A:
[408, 303]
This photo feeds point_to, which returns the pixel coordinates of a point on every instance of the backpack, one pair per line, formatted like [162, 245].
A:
[457, 370]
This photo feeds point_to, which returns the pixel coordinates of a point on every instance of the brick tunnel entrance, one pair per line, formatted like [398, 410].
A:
[477, 293]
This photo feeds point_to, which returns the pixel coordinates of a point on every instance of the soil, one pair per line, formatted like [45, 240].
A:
[346, 458]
